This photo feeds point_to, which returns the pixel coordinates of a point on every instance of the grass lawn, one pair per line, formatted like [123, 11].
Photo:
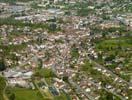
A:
[27, 94]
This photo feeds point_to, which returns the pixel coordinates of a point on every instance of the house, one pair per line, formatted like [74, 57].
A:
[18, 81]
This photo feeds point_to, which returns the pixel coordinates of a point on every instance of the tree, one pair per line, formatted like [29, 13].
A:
[65, 78]
[12, 96]
[2, 65]
[67, 13]
[110, 58]
[52, 26]
[103, 35]
[74, 51]
[106, 95]
[40, 63]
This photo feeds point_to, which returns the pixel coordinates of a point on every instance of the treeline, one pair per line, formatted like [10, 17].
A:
[121, 29]
[11, 21]
[84, 11]
[13, 1]
[51, 27]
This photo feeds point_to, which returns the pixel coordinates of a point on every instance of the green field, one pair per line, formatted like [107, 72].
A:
[117, 47]
[111, 44]
[120, 47]
[26, 94]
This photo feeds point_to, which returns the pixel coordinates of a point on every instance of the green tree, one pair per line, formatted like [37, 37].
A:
[52, 26]
[65, 78]
[12, 96]
[2, 65]
[40, 63]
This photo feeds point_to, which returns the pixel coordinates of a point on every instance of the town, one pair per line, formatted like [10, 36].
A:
[65, 50]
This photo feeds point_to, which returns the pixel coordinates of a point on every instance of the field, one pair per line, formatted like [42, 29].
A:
[112, 44]
[120, 47]
[26, 94]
